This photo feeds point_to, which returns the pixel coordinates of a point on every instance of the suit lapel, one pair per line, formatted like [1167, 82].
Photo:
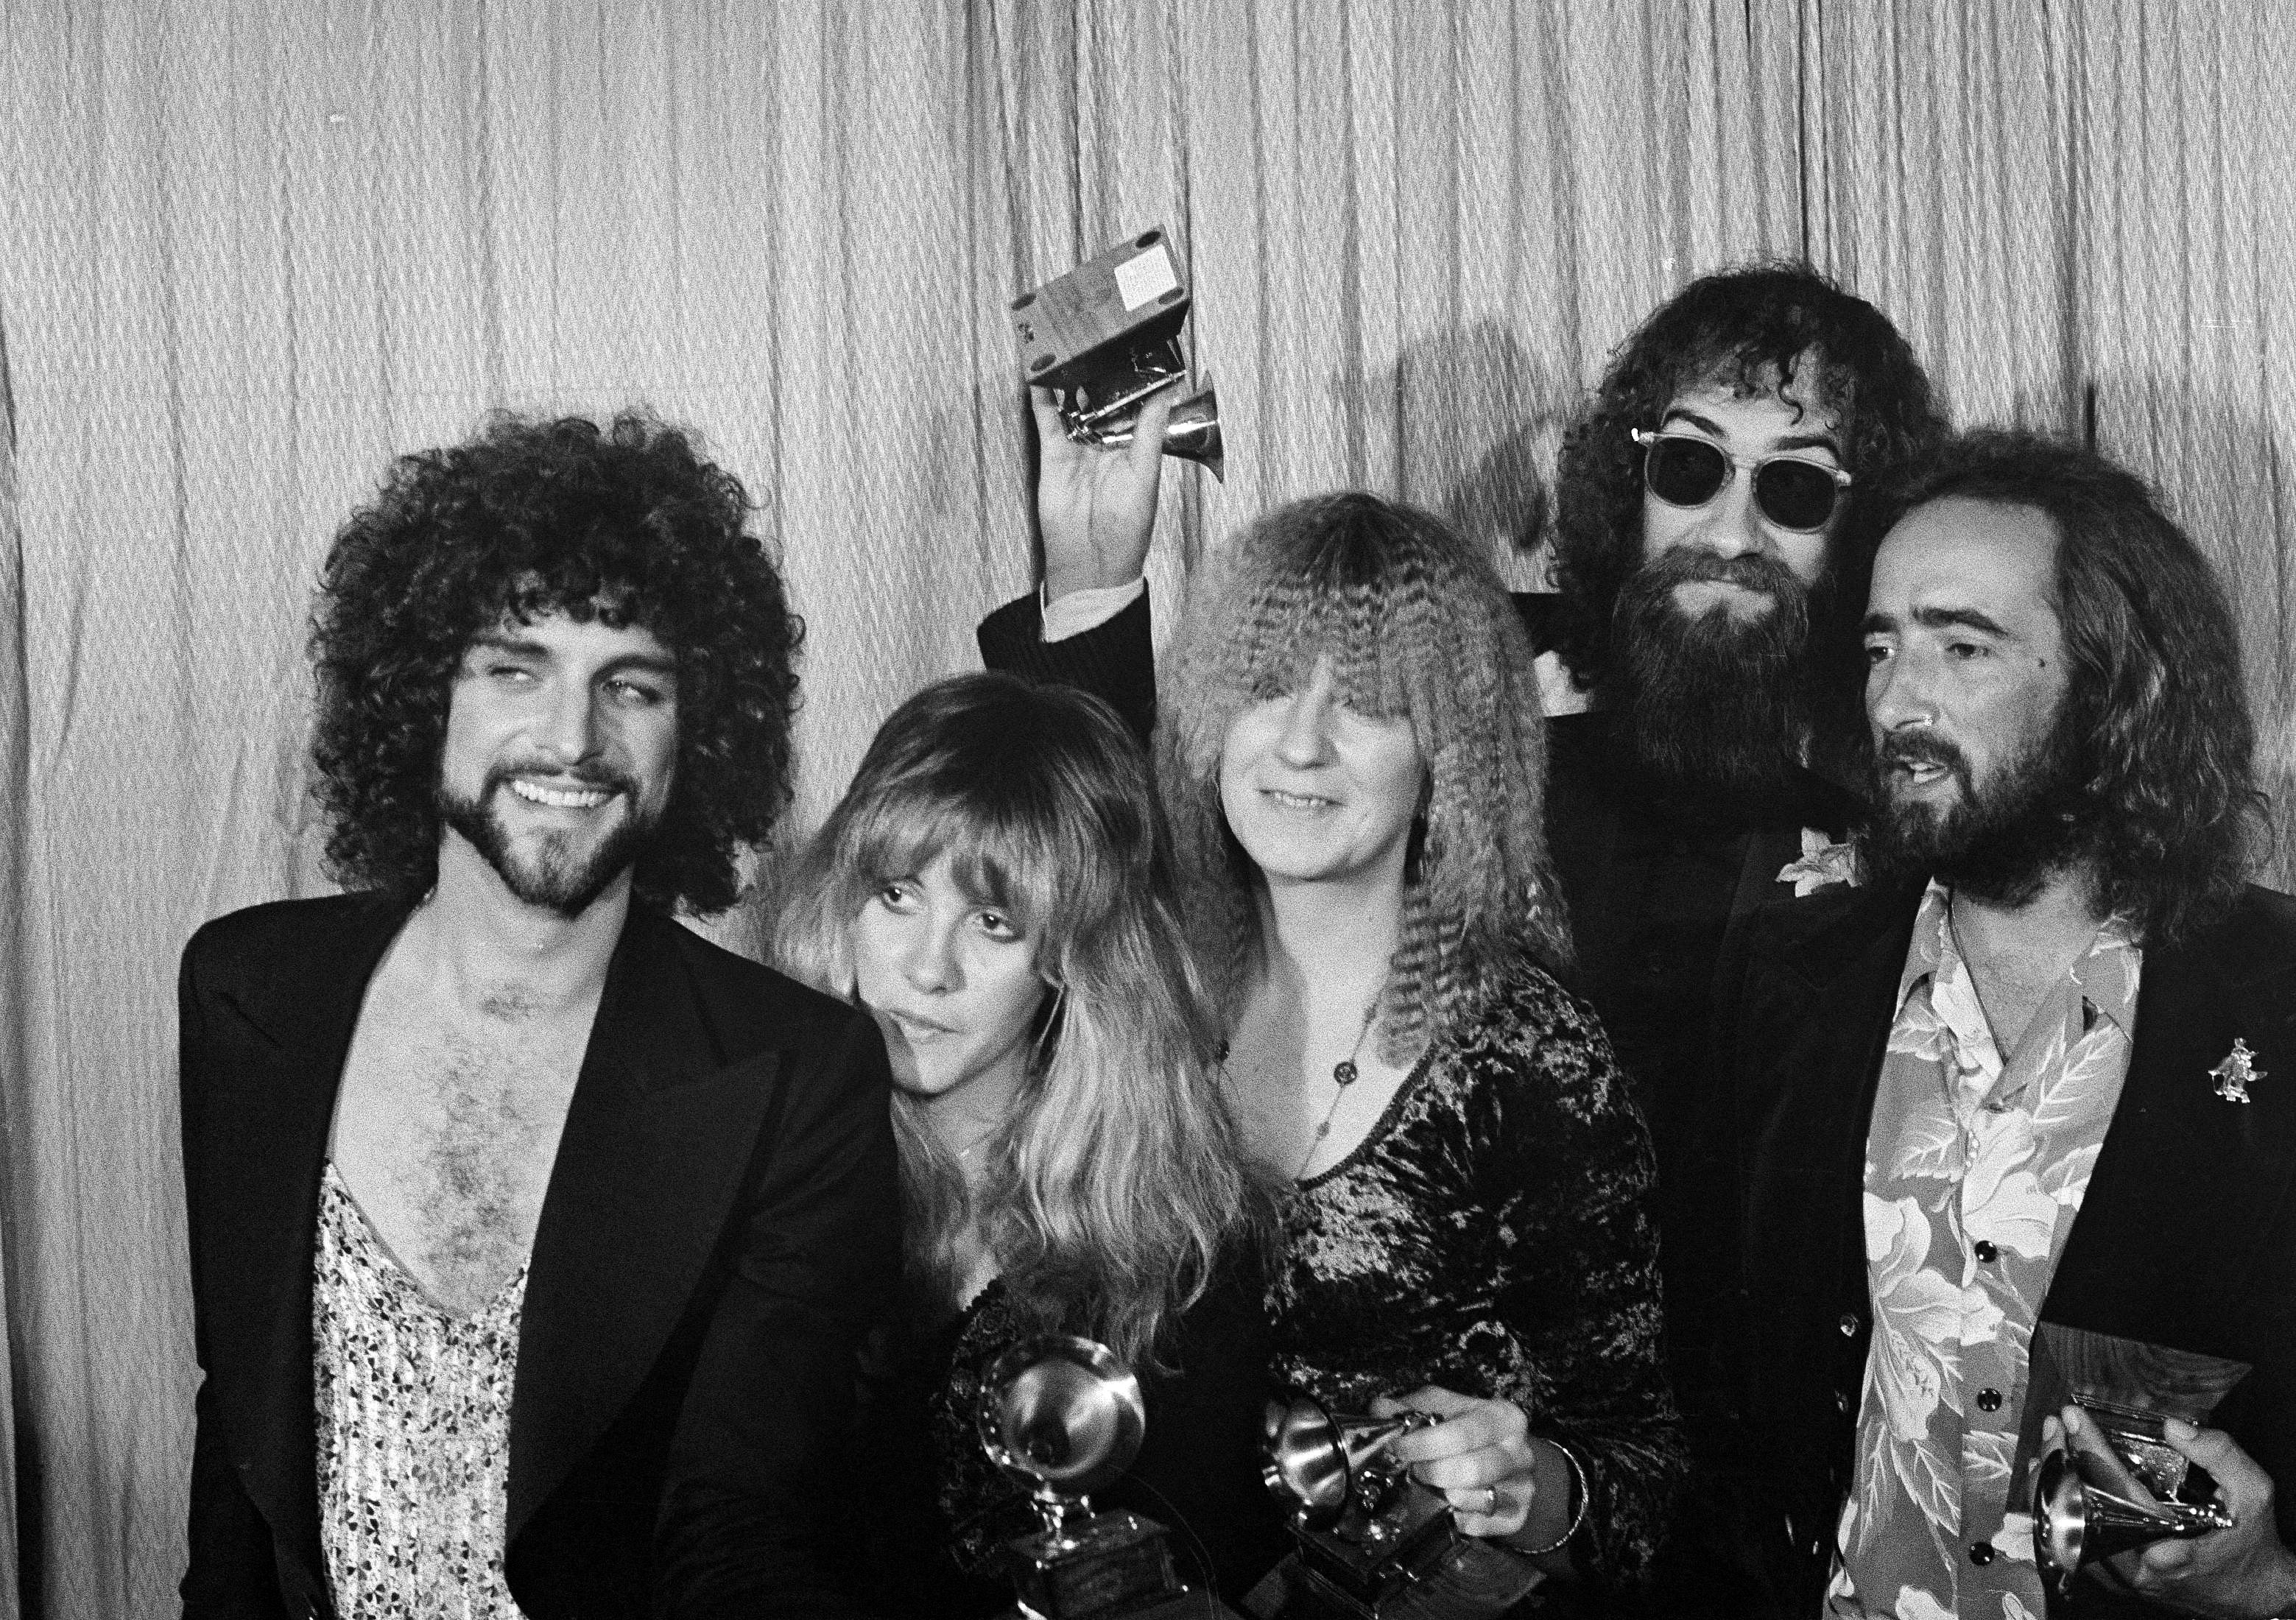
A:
[2186, 1181]
[1807, 1134]
[656, 1140]
[263, 1142]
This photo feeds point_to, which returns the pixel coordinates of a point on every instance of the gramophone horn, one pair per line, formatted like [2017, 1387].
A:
[1192, 433]
[1063, 1414]
[1312, 1458]
[2077, 1522]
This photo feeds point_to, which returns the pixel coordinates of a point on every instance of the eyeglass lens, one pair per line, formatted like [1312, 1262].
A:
[1690, 472]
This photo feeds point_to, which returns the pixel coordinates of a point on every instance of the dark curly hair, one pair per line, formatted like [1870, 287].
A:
[2156, 705]
[624, 524]
[1749, 329]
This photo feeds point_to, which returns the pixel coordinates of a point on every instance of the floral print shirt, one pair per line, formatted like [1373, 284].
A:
[1975, 1166]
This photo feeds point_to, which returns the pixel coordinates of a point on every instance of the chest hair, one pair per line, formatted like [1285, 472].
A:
[448, 1127]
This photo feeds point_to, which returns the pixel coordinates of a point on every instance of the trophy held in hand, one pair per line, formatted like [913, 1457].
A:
[2089, 1506]
[1370, 1542]
[1105, 336]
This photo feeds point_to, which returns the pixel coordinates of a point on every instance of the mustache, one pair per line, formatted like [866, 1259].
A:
[1919, 747]
[1695, 564]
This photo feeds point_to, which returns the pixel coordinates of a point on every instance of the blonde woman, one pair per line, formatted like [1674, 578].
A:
[1349, 753]
[995, 890]
[1352, 754]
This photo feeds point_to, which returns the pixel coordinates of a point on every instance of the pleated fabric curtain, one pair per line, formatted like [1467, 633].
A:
[254, 250]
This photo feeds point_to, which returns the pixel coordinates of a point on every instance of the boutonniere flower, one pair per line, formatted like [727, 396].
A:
[1823, 862]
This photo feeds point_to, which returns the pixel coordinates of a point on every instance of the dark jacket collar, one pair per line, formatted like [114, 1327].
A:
[2184, 1180]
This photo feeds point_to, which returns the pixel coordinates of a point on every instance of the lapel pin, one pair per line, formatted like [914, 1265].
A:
[2233, 1074]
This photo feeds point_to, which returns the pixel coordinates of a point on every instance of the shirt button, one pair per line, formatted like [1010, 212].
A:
[1848, 1325]
[1981, 1554]
[1986, 1253]
[1989, 1400]
[1842, 1401]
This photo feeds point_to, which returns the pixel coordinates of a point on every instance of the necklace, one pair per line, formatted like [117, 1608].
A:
[1343, 1076]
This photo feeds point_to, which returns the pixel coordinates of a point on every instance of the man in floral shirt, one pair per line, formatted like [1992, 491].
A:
[1983, 1101]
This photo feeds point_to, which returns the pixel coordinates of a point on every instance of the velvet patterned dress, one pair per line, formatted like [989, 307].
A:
[1493, 1235]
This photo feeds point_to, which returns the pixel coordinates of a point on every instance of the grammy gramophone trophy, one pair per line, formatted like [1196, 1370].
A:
[1371, 1542]
[1064, 1416]
[1105, 337]
[2085, 1509]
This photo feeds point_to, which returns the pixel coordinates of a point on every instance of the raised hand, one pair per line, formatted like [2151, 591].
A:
[1096, 507]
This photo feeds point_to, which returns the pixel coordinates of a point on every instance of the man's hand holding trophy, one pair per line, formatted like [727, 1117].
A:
[1105, 339]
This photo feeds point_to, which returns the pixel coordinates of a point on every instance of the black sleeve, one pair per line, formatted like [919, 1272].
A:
[232, 1574]
[744, 1512]
[1198, 1471]
[1727, 1557]
[1115, 662]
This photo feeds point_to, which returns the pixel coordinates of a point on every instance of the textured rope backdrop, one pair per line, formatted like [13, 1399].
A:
[255, 249]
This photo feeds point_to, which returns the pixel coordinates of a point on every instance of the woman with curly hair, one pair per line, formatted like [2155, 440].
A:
[1351, 755]
[995, 888]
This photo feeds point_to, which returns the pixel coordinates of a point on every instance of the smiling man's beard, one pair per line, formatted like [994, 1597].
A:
[1999, 844]
[1711, 705]
[560, 877]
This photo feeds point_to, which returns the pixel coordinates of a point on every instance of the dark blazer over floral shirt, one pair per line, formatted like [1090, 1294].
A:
[720, 1227]
[2186, 1238]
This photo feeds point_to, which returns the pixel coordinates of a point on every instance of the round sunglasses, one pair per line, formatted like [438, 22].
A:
[1792, 492]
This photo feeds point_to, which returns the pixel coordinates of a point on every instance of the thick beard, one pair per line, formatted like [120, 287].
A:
[1711, 706]
[2000, 844]
[559, 879]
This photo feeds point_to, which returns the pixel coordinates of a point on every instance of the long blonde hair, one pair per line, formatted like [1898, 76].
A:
[1118, 1179]
[1418, 626]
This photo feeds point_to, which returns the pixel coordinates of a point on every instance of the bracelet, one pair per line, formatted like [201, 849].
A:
[1578, 1504]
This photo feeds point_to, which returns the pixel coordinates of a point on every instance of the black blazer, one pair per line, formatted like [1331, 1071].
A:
[720, 1226]
[2187, 1236]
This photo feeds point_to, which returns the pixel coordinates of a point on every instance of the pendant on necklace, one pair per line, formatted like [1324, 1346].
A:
[1343, 1072]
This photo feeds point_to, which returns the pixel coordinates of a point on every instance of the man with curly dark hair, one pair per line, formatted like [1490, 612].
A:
[519, 1212]
[1713, 502]
[1999, 1140]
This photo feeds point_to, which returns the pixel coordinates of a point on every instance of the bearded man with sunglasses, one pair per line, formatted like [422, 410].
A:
[1715, 509]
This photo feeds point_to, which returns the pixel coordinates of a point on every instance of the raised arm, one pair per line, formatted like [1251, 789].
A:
[1096, 511]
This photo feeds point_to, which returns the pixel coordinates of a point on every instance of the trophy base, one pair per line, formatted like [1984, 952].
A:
[1363, 1556]
[1406, 1563]
[1114, 1563]
[1463, 1580]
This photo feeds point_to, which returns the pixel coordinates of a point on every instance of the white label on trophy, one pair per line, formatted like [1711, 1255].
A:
[1145, 277]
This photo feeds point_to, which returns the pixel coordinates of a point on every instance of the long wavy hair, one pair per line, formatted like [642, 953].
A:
[1419, 627]
[1113, 1186]
[2156, 706]
[1754, 330]
[624, 524]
